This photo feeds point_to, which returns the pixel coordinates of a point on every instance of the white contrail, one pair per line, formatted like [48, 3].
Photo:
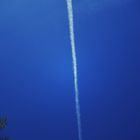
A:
[72, 40]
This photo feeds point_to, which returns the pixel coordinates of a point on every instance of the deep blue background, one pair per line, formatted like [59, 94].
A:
[36, 79]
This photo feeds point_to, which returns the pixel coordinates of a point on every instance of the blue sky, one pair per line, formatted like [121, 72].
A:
[36, 78]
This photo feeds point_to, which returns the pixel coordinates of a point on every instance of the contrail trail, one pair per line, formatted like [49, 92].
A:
[72, 40]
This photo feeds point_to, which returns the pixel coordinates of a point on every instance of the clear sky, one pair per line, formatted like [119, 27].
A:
[36, 78]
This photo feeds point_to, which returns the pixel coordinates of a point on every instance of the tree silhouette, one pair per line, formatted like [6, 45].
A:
[3, 125]
[3, 122]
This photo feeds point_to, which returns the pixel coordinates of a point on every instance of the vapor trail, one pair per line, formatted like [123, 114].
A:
[72, 40]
